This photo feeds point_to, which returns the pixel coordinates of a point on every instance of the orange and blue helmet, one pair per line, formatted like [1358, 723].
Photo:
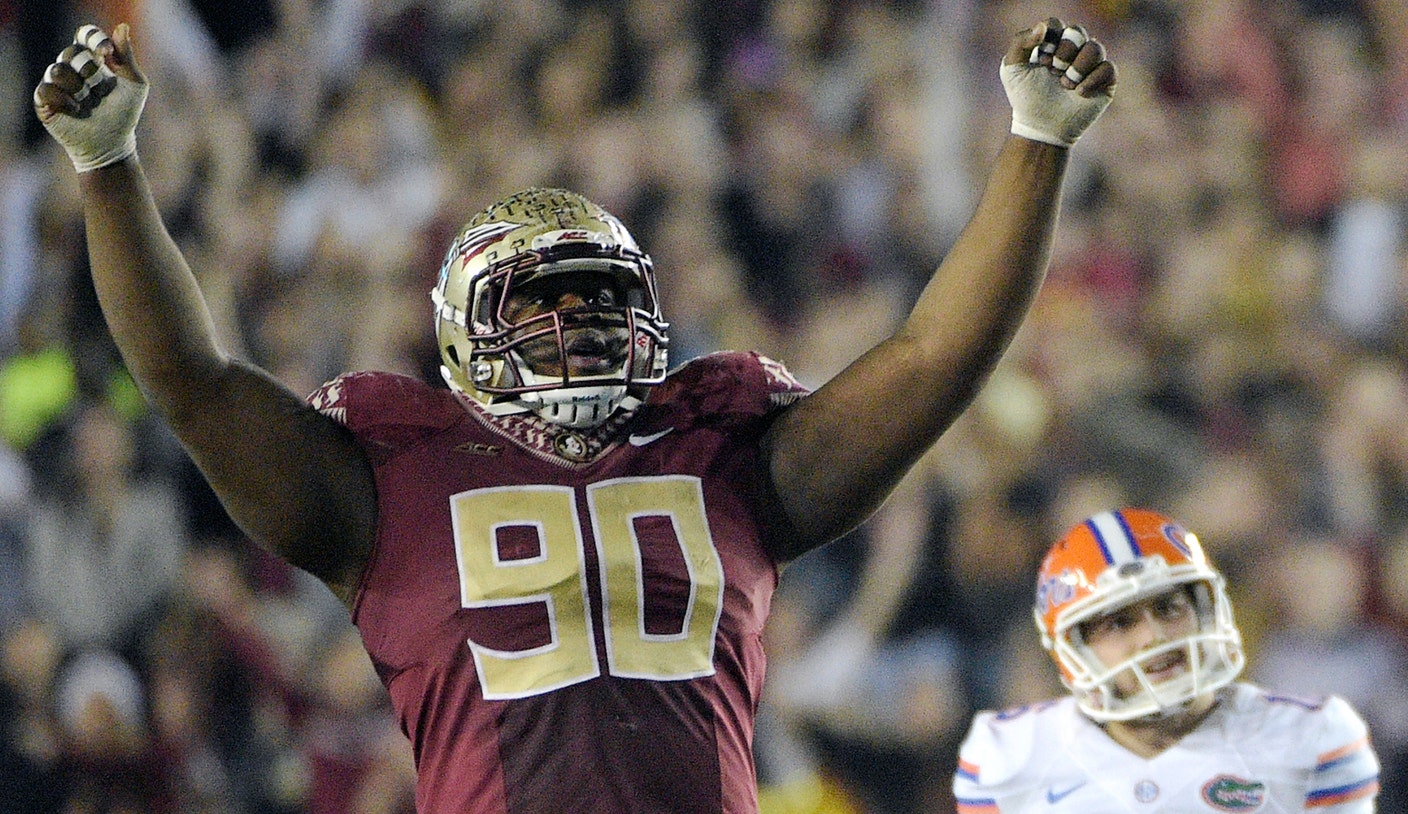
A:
[1115, 559]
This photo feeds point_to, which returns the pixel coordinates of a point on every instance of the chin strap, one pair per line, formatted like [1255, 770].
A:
[579, 407]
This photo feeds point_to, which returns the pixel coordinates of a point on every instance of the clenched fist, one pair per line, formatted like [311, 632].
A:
[1057, 80]
[92, 96]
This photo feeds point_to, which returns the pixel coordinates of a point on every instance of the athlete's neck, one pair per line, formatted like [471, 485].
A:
[1152, 736]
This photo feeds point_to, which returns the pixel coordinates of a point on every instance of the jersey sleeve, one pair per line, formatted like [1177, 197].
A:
[994, 760]
[331, 399]
[386, 411]
[727, 388]
[779, 385]
[1346, 773]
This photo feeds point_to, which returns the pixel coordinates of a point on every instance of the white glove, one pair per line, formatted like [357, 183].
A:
[88, 107]
[1043, 109]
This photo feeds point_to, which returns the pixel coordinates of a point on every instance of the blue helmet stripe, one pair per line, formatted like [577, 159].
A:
[1112, 533]
[1099, 540]
[1129, 534]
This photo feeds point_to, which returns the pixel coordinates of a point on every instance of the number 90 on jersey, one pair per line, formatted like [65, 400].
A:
[553, 576]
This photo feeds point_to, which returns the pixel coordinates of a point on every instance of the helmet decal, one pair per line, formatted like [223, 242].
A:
[1176, 535]
[474, 240]
[1057, 590]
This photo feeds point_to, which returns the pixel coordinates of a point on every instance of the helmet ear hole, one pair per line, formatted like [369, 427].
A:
[452, 355]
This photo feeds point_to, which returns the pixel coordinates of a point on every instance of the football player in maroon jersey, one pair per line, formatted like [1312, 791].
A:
[561, 564]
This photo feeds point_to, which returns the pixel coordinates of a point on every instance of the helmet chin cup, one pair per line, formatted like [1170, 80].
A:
[576, 408]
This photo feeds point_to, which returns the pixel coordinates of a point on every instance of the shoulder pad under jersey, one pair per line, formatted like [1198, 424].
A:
[1001, 746]
[724, 386]
[1330, 736]
[386, 410]
[1346, 766]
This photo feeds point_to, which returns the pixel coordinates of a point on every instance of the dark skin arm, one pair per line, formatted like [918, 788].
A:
[836, 455]
[293, 479]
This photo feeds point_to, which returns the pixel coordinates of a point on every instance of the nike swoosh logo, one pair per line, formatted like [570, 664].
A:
[1054, 796]
[642, 440]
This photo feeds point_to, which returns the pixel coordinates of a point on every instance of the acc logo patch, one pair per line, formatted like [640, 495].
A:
[1228, 793]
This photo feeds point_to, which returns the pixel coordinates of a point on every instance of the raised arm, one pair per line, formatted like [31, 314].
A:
[293, 479]
[838, 453]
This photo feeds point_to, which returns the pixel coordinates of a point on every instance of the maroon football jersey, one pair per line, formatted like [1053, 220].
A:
[566, 620]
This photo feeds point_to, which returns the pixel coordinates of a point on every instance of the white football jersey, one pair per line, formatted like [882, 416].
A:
[1256, 752]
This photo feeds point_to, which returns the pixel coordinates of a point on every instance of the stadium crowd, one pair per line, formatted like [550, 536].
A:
[1223, 334]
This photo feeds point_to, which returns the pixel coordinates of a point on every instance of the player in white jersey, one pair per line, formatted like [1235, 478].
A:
[1139, 624]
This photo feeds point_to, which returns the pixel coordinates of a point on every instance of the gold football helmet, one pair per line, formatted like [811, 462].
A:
[498, 358]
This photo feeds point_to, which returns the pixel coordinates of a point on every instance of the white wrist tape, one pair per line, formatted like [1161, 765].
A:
[1043, 110]
[107, 134]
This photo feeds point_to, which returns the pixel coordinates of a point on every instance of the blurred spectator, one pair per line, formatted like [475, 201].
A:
[1322, 642]
[346, 233]
[97, 525]
[106, 760]
[1366, 275]
[22, 182]
[29, 733]
[1365, 448]
[359, 763]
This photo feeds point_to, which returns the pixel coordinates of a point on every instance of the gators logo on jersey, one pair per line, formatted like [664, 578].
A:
[1228, 793]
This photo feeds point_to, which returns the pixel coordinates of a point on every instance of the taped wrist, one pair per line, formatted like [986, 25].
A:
[1043, 110]
[108, 134]
[103, 131]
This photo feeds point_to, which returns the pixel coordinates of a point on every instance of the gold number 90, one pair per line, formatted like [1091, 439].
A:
[556, 579]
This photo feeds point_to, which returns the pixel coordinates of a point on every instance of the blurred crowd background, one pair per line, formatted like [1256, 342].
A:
[1223, 337]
